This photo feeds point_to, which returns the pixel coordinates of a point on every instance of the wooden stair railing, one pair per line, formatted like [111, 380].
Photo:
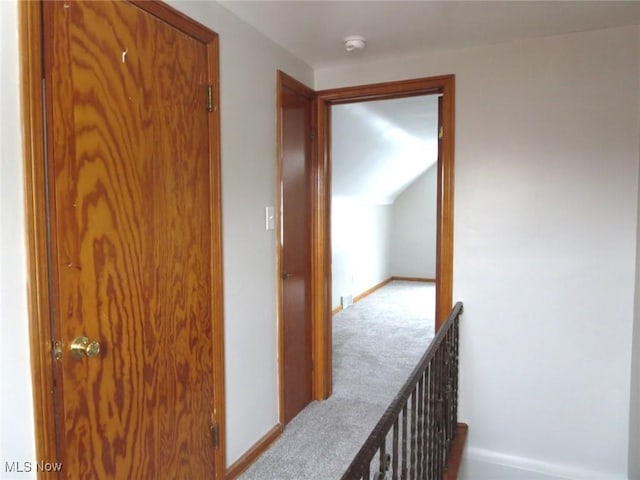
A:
[418, 437]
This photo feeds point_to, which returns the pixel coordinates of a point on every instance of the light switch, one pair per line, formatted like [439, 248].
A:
[269, 218]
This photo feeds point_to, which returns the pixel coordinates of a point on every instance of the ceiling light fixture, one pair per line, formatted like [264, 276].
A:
[354, 43]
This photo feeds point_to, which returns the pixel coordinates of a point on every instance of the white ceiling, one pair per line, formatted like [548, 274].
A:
[314, 30]
[379, 148]
[376, 144]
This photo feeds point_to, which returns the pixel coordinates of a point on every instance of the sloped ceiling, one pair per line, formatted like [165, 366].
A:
[314, 30]
[379, 148]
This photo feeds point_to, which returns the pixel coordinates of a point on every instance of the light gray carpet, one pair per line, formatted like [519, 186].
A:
[376, 344]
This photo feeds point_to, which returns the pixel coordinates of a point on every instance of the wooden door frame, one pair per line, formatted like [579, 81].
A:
[321, 231]
[40, 302]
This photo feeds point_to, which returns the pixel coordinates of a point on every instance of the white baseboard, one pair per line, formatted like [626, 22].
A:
[561, 472]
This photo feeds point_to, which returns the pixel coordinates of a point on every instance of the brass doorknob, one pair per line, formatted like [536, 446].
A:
[82, 347]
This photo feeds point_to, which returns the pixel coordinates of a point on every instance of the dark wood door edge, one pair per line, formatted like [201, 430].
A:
[455, 455]
[284, 81]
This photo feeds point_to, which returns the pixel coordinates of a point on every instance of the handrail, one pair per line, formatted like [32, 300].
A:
[430, 398]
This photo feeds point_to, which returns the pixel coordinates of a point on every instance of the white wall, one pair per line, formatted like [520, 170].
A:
[546, 204]
[17, 441]
[248, 64]
[360, 243]
[413, 233]
[546, 201]
[372, 242]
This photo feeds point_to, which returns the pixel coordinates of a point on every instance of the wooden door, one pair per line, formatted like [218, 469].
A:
[296, 103]
[135, 252]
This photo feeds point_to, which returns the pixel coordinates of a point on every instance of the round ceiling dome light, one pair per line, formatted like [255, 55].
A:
[354, 43]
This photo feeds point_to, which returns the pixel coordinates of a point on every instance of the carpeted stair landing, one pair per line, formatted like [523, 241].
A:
[376, 344]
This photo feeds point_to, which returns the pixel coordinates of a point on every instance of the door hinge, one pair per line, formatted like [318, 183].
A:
[215, 435]
[209, 98]
[440, 133]
[57, 349]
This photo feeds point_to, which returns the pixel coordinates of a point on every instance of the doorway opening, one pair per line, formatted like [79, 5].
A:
[443, 88]
[383, 196]
[383, 242]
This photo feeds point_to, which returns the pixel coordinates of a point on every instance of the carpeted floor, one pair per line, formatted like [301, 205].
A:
[376, 344]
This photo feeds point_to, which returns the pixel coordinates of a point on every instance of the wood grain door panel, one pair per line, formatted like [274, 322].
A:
[130, 166]
[296, 109]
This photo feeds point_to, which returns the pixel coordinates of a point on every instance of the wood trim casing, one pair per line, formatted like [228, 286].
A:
[39, 299]
[414, 279]
[455, 454]
[250, 456]
[364, 294]
[217, 295]
[321, 261]
[443, 85]
[369, 291]
[444, 241]
[387, 90]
